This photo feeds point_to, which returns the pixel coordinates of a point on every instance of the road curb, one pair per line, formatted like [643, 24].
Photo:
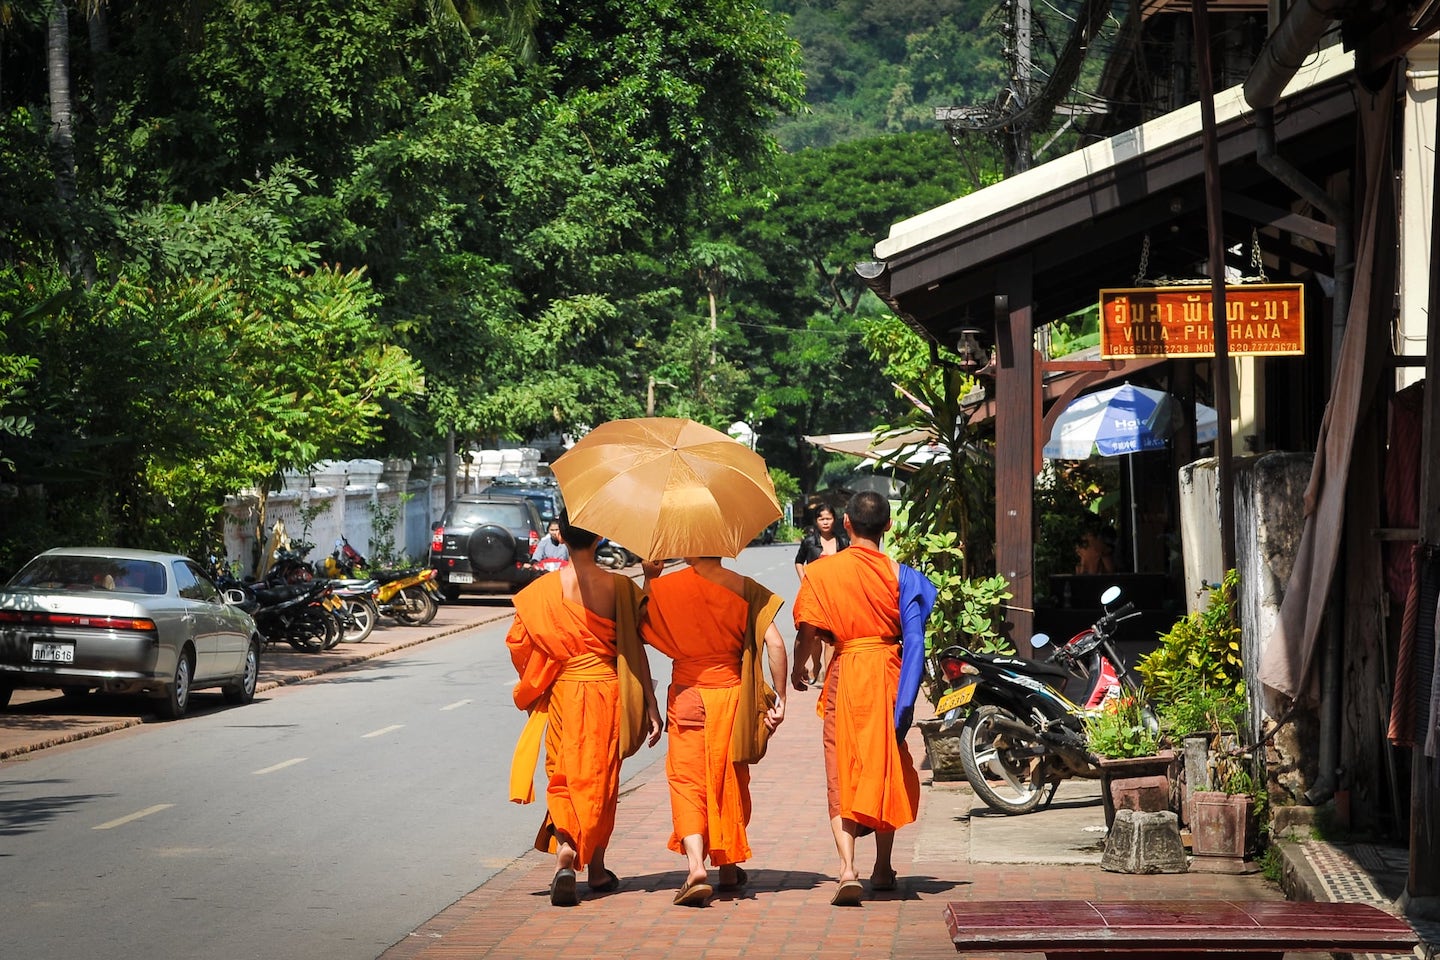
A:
[84, 729]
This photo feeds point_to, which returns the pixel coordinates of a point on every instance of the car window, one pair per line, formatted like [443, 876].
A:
[512, 515]
[192, 584]
[66, 572]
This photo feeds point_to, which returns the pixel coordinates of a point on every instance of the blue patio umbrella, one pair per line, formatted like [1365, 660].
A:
[1120, 421]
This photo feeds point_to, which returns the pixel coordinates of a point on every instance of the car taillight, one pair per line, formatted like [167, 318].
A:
[76, 620]
[437, 539]
[534, 541]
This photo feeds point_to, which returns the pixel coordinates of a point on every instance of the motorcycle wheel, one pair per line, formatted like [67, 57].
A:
[414, 607]
[998, 767]
[432, 601]
[307, 633]
[364, 613]
[334, 630]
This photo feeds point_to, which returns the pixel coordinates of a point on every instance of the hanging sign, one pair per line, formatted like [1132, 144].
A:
[1262, 319]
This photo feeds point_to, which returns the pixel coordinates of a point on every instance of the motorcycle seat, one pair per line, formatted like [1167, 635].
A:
[1033, 668]
[269, 596]
[385, 576]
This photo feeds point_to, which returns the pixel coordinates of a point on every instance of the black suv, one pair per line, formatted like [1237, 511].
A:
[483, 544]
[541, 491]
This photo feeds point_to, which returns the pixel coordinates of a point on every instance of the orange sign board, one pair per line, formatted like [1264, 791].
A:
[1262, 319]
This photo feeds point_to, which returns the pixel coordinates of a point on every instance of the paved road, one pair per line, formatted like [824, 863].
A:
[325, 821]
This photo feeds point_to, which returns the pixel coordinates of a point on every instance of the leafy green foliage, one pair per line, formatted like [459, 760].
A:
[883, 68]
[1119, 730]
[1196, 676]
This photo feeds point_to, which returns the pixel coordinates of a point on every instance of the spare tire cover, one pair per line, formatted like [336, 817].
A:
[492, 548]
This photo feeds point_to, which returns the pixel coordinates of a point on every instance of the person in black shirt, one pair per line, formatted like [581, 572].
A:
[822, 538]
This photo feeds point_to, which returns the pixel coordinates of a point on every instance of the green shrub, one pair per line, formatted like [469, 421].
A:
[1118, 729]
[1196, 677]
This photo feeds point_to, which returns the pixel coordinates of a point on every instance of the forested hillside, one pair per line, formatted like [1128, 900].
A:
[877, 67]
[237, 239]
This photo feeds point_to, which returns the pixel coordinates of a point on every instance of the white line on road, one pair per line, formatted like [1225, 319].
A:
[382, 731]
[279, 766]
[457, 703]
[134, 816]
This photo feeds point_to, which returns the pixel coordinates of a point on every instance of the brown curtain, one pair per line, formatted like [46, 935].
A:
[1286, 666]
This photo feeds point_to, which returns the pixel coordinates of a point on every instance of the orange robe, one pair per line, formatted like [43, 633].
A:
[854, 595]
[576, 693]
[702, 626]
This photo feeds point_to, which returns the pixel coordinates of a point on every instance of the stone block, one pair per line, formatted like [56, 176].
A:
[1144, 843]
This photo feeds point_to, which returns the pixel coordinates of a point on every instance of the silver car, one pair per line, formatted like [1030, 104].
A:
[124, 621]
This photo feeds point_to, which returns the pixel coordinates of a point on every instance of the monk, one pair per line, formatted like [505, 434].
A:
[705, 618]
[873, 610]
[586, 684]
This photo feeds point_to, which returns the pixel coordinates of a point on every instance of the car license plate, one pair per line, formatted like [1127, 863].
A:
[42, 652]
[461, 578]
[955, 698]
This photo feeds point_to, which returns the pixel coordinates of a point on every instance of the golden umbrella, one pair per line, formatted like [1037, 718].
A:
[667, 487]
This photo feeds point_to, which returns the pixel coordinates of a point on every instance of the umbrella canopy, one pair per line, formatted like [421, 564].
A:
[1121, 420]
[877, 446]
[667, 487]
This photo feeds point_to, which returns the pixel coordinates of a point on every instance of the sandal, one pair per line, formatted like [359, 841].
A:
[693, 894]
[611, 882]
[883, 882]
[740, 880]
[562, 889]
[848, 894]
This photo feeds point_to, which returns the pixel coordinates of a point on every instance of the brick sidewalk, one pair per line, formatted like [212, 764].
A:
[785, 910]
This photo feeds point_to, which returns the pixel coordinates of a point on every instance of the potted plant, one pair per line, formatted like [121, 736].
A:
[1133, 757]
[1197, 679]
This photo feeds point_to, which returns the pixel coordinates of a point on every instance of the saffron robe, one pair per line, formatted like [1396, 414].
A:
[705, 629]
[856, 597]
[580, 681]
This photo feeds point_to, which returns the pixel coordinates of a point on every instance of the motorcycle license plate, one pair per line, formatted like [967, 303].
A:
[461, 578]
[52, 652]
[955, 698]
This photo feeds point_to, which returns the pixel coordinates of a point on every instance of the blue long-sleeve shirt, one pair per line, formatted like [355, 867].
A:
[917, 599]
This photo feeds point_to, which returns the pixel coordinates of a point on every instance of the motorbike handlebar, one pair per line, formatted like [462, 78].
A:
[1121, 613]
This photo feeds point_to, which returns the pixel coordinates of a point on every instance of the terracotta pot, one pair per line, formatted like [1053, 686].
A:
[1130, 768]
[1221, 824]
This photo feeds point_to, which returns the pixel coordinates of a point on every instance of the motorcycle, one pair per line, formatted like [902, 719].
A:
[359, 612]
[298, 614]
[610, 554]
[409, 596]
[345, 569]
[1020, 735]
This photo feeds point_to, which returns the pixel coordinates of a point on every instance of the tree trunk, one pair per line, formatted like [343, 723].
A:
[62, 134]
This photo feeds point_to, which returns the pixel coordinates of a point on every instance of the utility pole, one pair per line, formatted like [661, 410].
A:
[1018, 157]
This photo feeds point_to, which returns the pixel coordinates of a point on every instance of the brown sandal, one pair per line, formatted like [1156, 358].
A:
[693, 894]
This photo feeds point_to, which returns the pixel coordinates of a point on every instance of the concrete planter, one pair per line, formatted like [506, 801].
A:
[942, 750]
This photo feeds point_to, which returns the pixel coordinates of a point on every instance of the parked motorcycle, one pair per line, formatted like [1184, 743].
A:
[298, 614]
[409, 596]
[344, 568]
[359, 612]
[1020, 735]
